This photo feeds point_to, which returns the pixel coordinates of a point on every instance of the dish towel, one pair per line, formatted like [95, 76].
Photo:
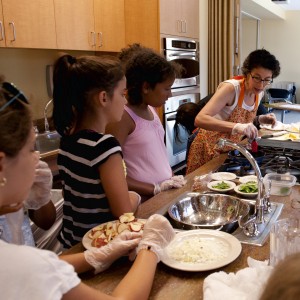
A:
[246, 284]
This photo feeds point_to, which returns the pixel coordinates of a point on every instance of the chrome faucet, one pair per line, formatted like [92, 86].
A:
[45, 116]
[251, 226]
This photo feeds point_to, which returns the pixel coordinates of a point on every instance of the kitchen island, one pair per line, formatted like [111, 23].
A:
[173, 284]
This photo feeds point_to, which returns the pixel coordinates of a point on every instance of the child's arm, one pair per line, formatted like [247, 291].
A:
[113, 179]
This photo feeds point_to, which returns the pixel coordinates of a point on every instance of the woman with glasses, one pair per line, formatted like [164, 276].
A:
[231, 111]
[31, 273]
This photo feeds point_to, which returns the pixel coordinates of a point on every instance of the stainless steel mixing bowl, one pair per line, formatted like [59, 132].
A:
[207, 211]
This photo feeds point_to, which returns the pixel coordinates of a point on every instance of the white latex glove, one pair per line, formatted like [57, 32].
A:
[247, 129]
[174, 182]
[267, 119]
[103, 257]
[157, 235]
[40, 193]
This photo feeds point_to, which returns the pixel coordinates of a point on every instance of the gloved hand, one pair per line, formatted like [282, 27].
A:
[40, 193]
[174, 182]
[267, 119]
[157, 235]
[121, 245]
[247, 129]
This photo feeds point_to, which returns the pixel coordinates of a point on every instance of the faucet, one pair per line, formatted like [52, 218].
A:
[45, 116]
[262, 205]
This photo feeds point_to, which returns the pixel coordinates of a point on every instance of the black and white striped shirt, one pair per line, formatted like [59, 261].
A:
[85, 203]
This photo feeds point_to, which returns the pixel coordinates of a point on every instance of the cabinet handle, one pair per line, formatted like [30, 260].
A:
[100, 39]
[184, 26]
[93, 34]
[1, 31]
[179, 26]
[12, 24]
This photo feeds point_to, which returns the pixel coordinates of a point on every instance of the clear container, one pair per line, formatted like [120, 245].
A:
[281, 184]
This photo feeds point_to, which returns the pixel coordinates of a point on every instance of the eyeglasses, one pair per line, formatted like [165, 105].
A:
[258, 79]
[12, 93]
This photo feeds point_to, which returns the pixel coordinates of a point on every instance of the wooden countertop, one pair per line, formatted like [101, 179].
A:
[173, 284]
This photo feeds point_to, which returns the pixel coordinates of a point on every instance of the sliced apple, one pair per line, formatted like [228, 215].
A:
[122, 227]
[136, 226]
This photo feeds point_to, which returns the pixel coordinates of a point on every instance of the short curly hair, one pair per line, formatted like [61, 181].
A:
[261, 58]
[142, 65]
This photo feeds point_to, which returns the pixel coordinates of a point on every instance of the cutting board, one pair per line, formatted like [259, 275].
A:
[295, 137]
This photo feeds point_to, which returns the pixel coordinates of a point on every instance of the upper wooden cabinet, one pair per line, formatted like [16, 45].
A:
[110, 25]
[142, 23]
[96, 25]
[2, 35]
[75, 26]
[180, 18]
[29, 24]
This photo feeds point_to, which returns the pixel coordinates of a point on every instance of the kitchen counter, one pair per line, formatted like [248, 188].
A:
[173, 284]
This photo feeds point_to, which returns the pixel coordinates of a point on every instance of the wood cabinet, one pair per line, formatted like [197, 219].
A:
[96, 25]
[180, 18]
[110, 25]
[142, 23]
[29, 24]
[75, 26]
[2, 35]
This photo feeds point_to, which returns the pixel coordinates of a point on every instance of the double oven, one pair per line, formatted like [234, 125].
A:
[185, 89]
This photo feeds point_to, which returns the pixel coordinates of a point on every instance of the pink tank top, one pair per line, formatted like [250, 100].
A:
[145, 152]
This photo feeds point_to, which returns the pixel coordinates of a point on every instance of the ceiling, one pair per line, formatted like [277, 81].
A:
[292, 5]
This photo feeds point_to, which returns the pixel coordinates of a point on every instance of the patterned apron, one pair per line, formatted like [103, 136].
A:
[204, 147]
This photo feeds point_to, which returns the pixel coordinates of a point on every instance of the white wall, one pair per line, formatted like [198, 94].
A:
[281, 37]
[26, 68]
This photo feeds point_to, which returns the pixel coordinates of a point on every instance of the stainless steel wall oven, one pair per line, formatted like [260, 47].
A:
[176, 149]
[185, 89]
[186, 53]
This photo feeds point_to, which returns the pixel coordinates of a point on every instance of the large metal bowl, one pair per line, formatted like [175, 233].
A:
[207, 211]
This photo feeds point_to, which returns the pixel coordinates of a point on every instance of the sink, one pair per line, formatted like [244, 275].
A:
[235, 230]
[47, 142]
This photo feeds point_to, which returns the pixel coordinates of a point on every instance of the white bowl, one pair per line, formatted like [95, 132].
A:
[247, 178]
[236, 189]
[223, 176]
[135, 197]
[211, 185]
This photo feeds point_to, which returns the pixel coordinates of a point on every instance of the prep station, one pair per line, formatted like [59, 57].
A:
[173, 284]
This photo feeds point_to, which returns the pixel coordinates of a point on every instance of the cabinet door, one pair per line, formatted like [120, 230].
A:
[75, 28]
[29, 24]
[2, 34]
[142, 23]
[109, 25]
[170, 17]
[190, 18]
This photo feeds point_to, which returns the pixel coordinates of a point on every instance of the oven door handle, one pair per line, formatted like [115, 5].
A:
[183, 54]
[172, 118]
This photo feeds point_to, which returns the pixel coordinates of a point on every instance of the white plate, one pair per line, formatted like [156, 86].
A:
[247, 178]
[86, 241]
[213, 241]
[236, 189]
[223, 176]
[213, 183]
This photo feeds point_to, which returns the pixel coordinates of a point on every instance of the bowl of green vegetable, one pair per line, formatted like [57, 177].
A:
[221, 186]
[247, 189]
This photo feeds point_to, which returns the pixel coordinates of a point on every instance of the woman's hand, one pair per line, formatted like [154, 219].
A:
[267, 119]
[247, 129]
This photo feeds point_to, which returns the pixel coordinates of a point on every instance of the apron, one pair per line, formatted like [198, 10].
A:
[204, 147]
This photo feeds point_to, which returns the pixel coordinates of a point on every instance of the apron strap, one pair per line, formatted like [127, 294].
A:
[242, 93]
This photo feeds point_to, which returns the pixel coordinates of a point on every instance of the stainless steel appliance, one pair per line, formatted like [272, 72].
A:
[185, 89]
[186, 53]
[176, 150]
